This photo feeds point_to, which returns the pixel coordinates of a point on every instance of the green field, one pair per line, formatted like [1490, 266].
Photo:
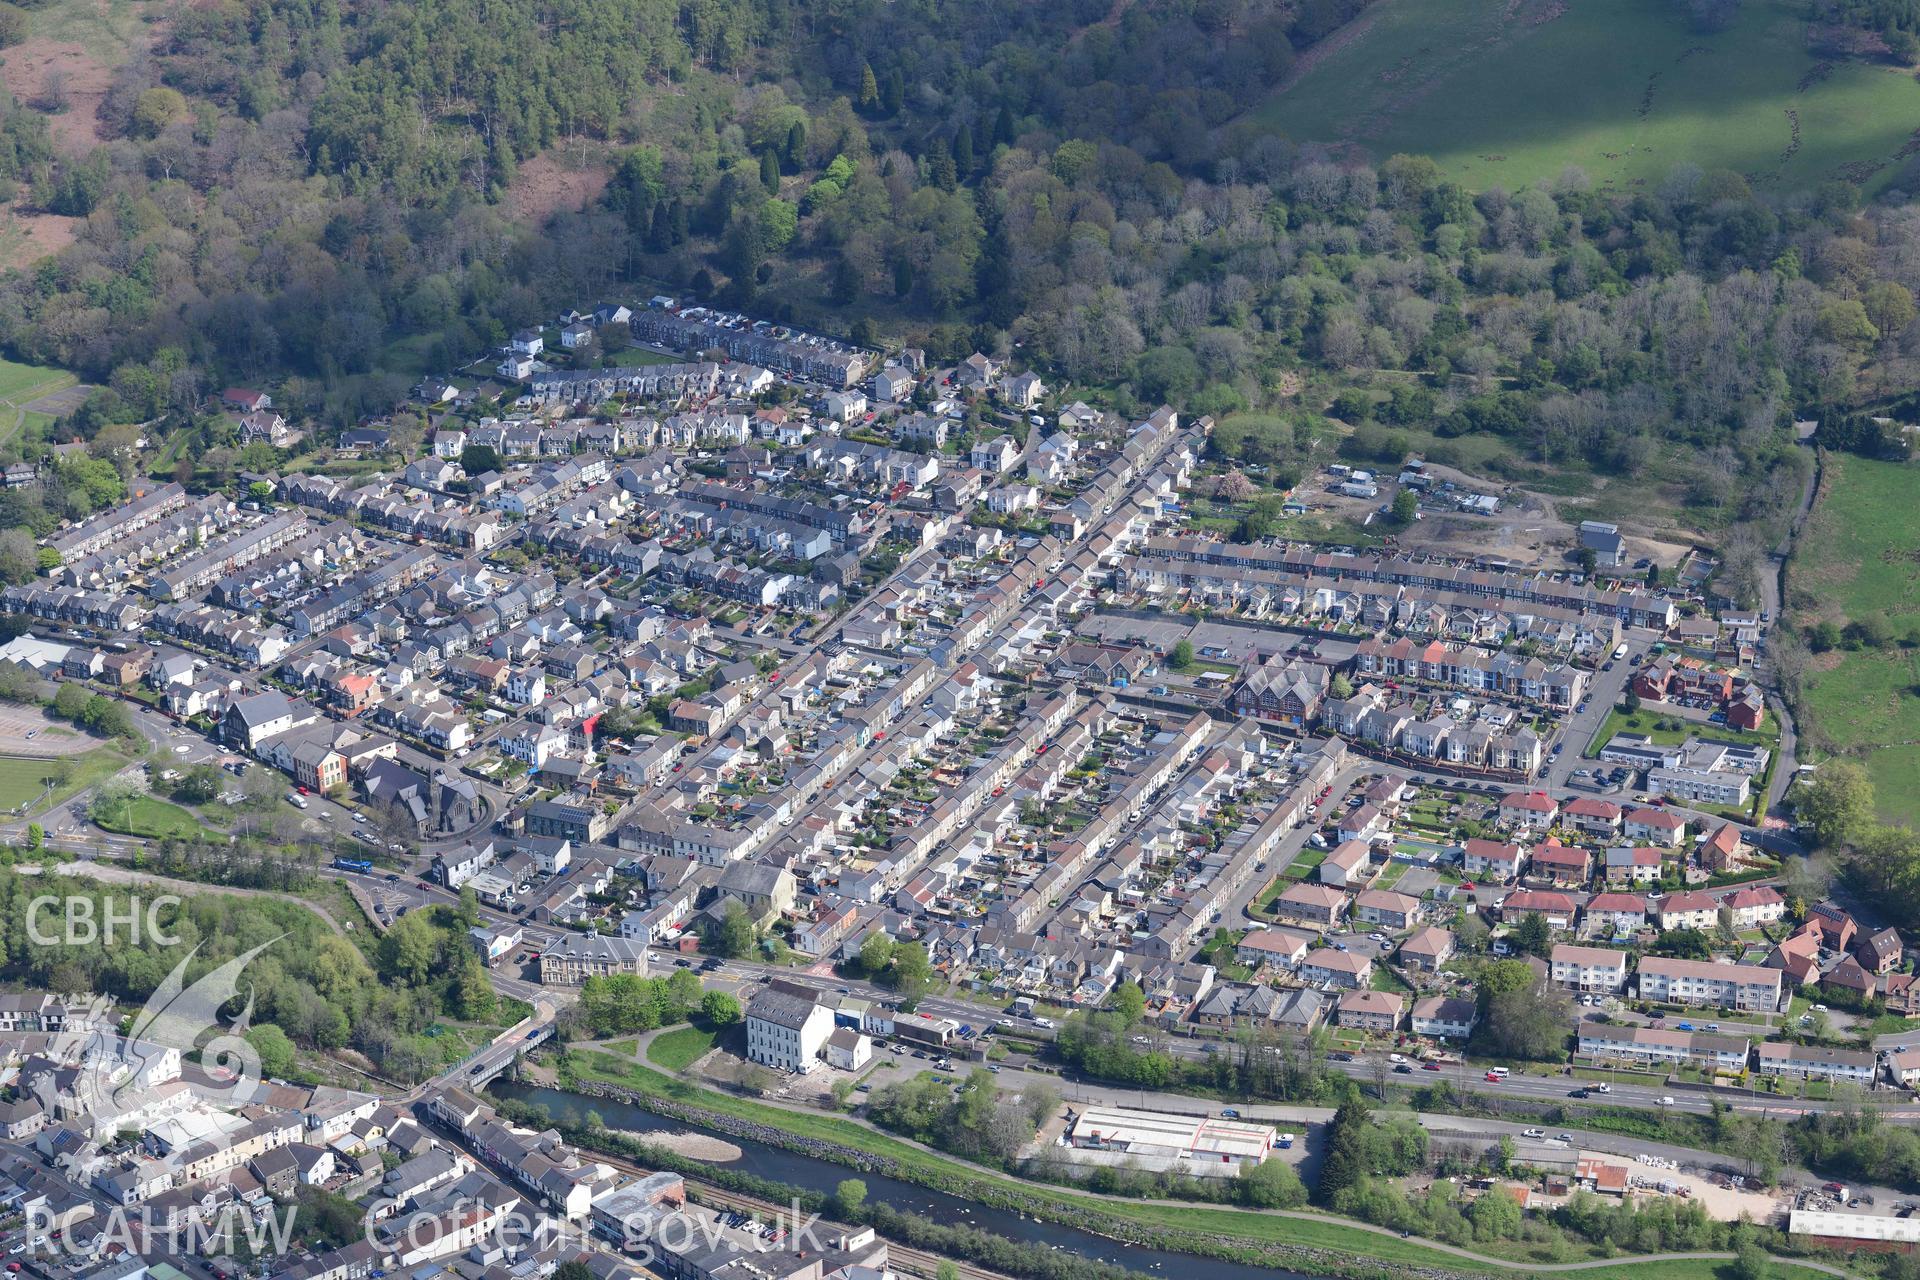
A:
[680, 1048]
[635, 358]
[21, 781]
[1646, 718]
[1861, 549]
[111, 30]
[1860, 556]
[151, 818]
[23, 778]
[1504, 94]
[21, 383]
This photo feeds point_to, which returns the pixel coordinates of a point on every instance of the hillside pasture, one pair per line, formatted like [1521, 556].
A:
[1512, 93]
[1859, 557]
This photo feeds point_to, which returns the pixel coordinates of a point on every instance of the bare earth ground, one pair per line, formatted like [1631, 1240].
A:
[25, 238]
[64, 71]
[49, 740]
[32, 68]
[548, 184]
[1529, 531]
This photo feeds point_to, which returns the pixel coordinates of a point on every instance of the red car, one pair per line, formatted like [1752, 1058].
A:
[1429, 1066]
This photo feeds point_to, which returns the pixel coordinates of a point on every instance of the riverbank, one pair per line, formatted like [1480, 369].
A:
[1271, 1238]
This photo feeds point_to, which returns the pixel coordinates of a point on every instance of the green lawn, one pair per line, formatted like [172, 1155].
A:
[20, 383]
[1264, 1228]
[1854, 553]
[1858, 558]
[23, 779]
[27, 381]
[1644, 720]
[1508, 94]
[152, 818]
[1385, 979]
[635, 358]
[680, 1048]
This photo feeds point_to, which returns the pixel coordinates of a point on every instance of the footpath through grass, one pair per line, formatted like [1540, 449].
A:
[1311, 1231]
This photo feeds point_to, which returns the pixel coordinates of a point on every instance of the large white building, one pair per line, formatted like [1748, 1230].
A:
[787, 1032]
[1152, 1134]
[1701, 786]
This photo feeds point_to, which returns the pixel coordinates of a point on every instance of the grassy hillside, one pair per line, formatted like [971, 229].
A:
[1860, 557]
[1508, 93]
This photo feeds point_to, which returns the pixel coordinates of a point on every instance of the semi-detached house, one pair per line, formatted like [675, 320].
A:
[1807, 1061]
[1327, 967]
[1659, 1046]
[1596, 969]
[1491, 859]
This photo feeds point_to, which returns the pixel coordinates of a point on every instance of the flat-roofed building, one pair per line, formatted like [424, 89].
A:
[1151, 1134]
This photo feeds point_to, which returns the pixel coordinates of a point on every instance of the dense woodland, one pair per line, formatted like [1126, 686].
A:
[314, 988]
[310, 195]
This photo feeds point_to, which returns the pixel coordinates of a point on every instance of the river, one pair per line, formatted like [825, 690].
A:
[813, 1174]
